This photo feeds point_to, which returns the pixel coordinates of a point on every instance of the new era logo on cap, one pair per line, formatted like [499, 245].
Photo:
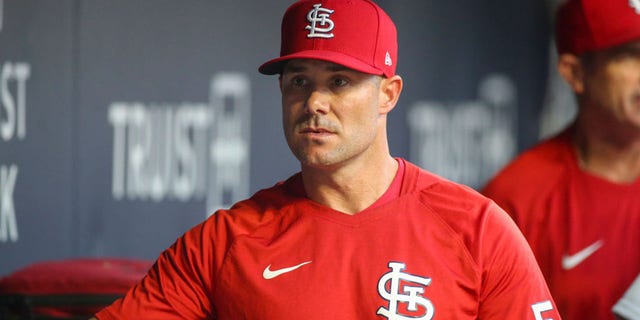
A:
[357, 34]
[589, 25]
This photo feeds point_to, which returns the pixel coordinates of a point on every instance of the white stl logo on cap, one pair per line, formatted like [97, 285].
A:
[319, 16]
[635, 4]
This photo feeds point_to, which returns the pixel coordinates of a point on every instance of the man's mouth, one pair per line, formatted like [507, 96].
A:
[314, 130]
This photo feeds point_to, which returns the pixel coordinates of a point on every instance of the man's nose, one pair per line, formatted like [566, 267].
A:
[318, 101]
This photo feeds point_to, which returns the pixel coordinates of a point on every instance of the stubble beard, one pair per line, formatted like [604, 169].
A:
[309, 157]
[310, 151]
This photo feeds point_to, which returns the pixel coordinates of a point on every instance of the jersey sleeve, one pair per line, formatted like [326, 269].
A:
[178, 285]
[513, 285]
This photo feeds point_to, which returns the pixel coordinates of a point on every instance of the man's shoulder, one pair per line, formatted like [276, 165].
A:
[422, 180]
[263, 206]
[446, 198]
[463, 212]
[532, 177]
[540, 166]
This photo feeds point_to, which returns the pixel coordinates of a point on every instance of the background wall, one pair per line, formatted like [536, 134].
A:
[123, 124]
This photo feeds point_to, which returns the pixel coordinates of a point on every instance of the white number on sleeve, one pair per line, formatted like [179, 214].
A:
[541, 307]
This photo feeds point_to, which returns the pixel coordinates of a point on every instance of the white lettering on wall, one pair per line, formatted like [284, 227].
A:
[467, 141]
[230, 99]
[8, 225]
[156, 154]
[190, 151]
[13, 109]
[13, 125]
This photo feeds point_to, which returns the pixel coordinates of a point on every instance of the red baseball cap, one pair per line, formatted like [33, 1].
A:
[354, 33]
[590, 25]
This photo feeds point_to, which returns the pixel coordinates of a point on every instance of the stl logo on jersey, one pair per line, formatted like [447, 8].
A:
[404, 291]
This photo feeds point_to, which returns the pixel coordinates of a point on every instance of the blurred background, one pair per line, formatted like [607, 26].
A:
[125, 123]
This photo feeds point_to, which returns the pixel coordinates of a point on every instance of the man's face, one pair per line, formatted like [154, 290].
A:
[612, 85]
[330, 113]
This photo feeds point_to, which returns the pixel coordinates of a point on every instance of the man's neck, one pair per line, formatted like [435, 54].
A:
[614, 157]
[350, 188]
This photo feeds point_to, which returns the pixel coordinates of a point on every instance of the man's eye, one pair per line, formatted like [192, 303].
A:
[339, 82]
[298, 82]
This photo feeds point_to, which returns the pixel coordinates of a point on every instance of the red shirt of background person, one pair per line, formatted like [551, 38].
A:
[576, 196]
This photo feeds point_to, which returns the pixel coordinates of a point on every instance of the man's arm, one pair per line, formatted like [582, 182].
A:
[177, 286]
[513, 286]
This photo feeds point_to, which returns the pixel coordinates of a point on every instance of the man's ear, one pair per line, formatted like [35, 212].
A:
[390, 89]
[572, 71]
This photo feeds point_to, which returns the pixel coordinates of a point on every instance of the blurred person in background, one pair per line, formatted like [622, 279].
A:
[576, 196]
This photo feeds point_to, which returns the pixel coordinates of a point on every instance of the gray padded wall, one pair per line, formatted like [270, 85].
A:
[125, 123]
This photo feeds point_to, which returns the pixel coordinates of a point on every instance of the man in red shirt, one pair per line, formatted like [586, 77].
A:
[576, 196]
[357, 233]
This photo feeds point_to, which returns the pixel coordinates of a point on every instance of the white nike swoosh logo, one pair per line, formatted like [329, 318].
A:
[571, 261]
[270, 274]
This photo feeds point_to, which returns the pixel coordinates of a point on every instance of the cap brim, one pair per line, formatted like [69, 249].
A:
[275, 66]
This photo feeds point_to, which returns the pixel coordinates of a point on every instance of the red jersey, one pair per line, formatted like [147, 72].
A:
[584, 230]
[428, 249]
